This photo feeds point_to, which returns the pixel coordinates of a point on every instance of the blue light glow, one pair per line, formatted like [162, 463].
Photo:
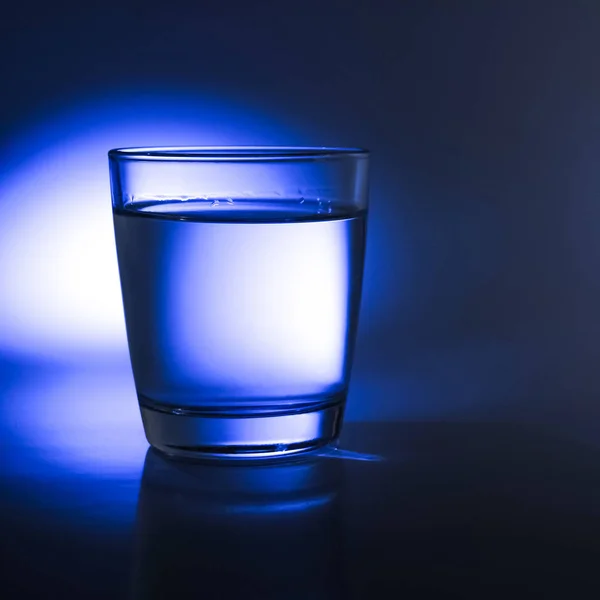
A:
[58, 270]
[77, 422]
[72, 443]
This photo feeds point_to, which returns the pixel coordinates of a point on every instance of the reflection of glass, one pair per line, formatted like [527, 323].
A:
[269, 531]
[241, 274]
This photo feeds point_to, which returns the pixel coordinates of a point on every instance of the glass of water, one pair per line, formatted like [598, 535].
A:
[241, 272]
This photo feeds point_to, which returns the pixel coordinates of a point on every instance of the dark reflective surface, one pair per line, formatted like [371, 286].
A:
[265, 531]
[451, 510]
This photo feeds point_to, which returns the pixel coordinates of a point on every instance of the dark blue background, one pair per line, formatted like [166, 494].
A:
[482, 293]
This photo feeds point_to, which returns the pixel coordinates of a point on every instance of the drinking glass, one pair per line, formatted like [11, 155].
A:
[241, 273]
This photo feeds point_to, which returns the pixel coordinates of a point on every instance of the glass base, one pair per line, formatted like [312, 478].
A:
[195, 434]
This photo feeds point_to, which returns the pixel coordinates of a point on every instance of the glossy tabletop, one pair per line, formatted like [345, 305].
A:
[402, 510]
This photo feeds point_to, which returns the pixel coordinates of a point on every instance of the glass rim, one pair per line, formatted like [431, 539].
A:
[235, 153]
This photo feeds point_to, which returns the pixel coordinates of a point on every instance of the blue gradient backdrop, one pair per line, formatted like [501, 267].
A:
[482, 280]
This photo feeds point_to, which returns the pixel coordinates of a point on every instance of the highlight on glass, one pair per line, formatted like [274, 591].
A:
[241, 274]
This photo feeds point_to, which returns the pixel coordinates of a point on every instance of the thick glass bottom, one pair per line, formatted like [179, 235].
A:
[201, 435]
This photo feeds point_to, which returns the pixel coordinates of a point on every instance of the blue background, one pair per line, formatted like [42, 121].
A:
[482, 291]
